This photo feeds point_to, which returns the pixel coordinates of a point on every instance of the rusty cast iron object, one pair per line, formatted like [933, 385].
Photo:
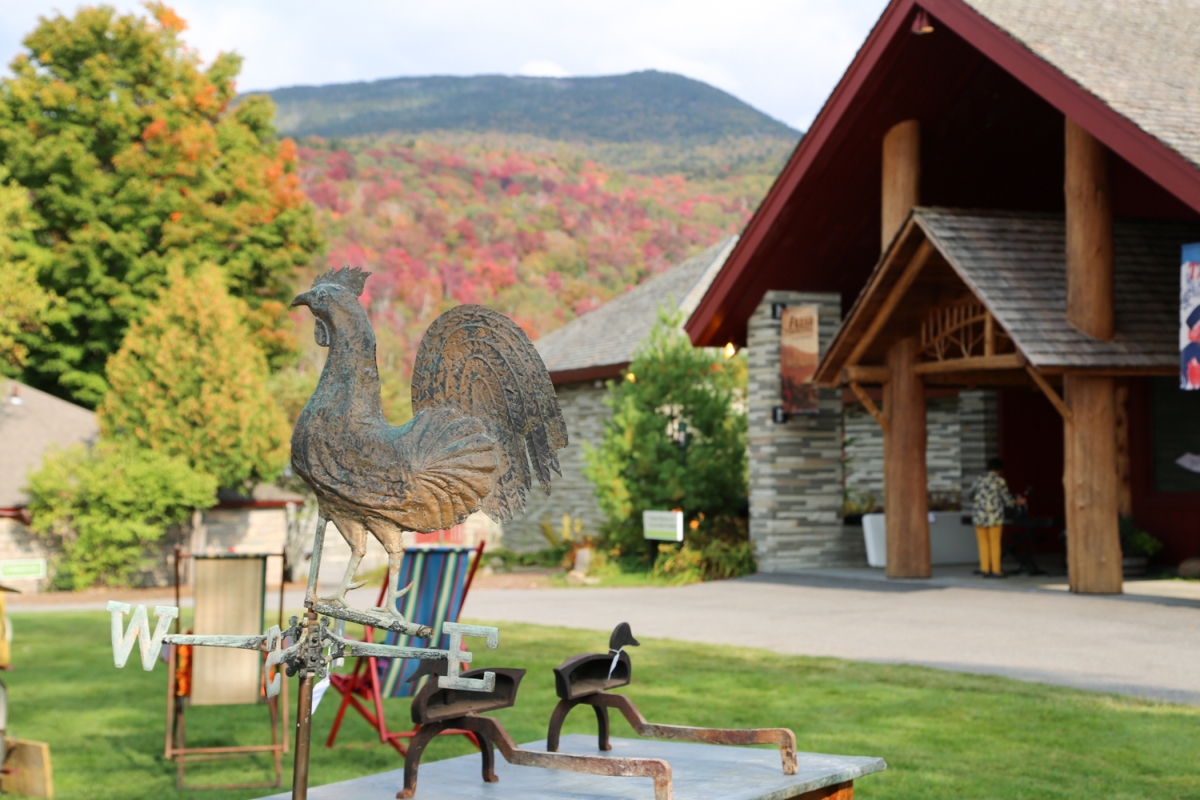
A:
[586, 680]
[437, 710]
[485, 421]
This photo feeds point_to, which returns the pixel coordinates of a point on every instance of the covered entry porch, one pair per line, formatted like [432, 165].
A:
[975, 299]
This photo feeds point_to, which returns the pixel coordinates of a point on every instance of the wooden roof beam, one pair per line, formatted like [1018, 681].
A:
[864, 374]
[919, 259]
[870, 406]
[1051, 395]
[972, 364]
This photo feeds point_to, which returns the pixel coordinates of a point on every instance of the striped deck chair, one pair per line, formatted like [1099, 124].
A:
[442, 578]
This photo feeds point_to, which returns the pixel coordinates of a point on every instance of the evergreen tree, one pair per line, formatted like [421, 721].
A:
[137, 161]
[190, 382]
[677, 439]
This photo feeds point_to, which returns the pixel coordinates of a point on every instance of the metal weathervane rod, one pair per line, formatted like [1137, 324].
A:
[485, 423]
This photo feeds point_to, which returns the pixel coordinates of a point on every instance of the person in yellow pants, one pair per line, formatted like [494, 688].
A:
[990, 498]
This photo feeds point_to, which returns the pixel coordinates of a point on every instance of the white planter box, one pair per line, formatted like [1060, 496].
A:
[875, 537]
[951, 541]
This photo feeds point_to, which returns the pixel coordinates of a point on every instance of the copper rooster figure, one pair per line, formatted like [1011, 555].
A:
[485, 419]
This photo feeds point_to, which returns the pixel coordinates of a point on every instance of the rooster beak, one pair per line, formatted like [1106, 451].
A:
[301, 300]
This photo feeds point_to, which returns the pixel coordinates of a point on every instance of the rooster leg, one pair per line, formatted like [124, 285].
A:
[356, 537]
[389, 604]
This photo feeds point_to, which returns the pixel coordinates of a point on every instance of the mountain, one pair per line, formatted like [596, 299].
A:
[540, 197]
[645, 106]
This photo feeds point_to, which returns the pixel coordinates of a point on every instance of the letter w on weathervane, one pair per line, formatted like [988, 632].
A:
[139, 628]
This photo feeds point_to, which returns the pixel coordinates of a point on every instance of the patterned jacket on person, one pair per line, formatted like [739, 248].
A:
[990, 497]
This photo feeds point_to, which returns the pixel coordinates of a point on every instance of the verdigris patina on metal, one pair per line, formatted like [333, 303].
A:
[486, 420]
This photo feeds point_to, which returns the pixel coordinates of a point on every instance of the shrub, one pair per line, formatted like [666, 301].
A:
[677, 439]
[104, 507]
[1135, 541]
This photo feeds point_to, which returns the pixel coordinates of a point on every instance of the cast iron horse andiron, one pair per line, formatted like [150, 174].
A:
[587, 680]
[435, 709]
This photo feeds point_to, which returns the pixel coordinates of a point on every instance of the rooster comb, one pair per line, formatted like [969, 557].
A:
[352, 278]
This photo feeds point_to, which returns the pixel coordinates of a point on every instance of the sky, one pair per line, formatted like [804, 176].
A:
[781, 56]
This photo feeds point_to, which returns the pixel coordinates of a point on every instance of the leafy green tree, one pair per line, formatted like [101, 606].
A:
[189, 382]
[137, 160]
[677, 440]
[103, 508]
[25, 307]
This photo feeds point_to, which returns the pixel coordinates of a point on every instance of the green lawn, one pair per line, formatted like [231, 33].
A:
[944, 735]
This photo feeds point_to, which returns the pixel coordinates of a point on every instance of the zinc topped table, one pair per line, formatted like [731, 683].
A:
[698, 771]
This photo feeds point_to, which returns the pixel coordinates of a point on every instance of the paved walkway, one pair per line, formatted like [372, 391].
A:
[1138, 644]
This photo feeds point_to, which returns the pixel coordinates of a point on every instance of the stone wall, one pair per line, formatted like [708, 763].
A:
[962, 436]
[796, 466]
[584, 411]
[979, 418]
[943, 452]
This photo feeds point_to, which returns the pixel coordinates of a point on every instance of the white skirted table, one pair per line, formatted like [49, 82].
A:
[698, 772]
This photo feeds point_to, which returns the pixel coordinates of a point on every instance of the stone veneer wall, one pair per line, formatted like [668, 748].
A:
[584, 411]
[979, 420]
[962, 436]
[795, 467]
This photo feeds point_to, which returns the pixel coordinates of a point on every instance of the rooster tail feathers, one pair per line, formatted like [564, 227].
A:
[480, 363]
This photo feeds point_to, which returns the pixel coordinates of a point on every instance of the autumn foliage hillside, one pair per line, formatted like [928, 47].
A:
[541, 231]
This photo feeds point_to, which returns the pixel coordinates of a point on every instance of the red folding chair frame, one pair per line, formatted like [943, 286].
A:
[364, 682]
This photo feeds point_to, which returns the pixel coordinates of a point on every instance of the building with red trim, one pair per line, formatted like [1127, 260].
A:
[992, 203]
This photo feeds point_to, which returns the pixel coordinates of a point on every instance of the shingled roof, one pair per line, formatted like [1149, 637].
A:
[605, 339]
[31, 422]
[1016, 264]
[1139, 57]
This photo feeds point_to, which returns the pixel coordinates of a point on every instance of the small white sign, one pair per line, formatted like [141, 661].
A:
[663, 526]
[23, 569]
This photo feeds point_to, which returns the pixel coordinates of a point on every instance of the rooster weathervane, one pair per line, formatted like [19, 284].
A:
[485, 417]
[485, 422]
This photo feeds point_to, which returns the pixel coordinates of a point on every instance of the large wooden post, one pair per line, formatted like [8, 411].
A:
[901, 175]
[1090, 450]
[1089, 234]
[905, 502]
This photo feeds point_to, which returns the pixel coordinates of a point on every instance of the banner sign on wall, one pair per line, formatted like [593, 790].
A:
[798, 354]
[1189, 317]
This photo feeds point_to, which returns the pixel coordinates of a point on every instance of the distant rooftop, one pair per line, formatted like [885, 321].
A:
[602, 342]
[31, 422]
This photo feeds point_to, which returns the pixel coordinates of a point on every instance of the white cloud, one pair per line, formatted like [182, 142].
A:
[781, 56]
[543, 69]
